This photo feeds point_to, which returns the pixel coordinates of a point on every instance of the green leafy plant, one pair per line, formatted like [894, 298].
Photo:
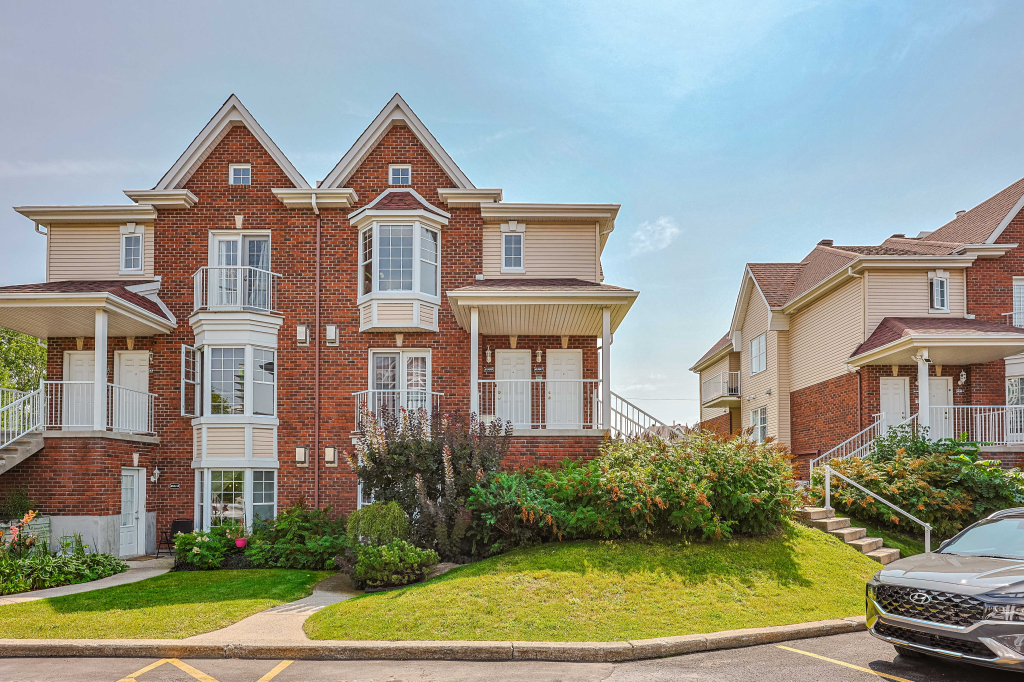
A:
[22, 362]
[35, 566]
[200, 549]
[299, 537]
[378, 524]
[16, 504]
[396, 563]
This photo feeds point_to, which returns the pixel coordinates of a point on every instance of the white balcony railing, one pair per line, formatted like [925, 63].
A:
[1015, 318]
[722, 384]
[988, 424]
[234, 288]
[542, 403]
[129, 411]
[382, 404]
[68, 405]
[20, 413]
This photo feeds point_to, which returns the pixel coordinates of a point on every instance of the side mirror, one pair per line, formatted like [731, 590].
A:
[944, 543]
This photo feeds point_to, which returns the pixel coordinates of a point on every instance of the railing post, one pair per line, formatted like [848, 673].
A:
[828, 487]
[927, 538]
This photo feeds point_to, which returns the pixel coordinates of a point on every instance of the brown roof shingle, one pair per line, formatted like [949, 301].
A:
[404, 201]
[893, 329]
[115, 287]
[719, 345]
[977, 225]
[539, 285]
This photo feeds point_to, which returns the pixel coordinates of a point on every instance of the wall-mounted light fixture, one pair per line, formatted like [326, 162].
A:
[488, 355]
[331, 456]
[963, 378]
[539, 353]
[302, 456]
[302, 334]
[156, 475]
[332, 335]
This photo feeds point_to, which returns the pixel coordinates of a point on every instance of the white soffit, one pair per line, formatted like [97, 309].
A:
[396, 112]
[325, 198]
[468, 198]
[163, 198]
[232, 113]
[128, 213]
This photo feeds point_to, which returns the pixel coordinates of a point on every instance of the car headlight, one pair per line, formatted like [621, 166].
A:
[1005, 612]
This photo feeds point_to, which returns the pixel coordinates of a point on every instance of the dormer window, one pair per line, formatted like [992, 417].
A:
[240, 174]
[938, 292]
[132, 241]
[401, 174]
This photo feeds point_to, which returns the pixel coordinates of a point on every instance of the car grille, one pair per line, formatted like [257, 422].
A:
[960, 646]
[931, 605]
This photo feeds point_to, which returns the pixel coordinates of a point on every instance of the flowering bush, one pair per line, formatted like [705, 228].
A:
[200, 549]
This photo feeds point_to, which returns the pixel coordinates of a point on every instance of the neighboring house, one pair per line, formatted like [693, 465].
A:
[212, 346]
[824, 354]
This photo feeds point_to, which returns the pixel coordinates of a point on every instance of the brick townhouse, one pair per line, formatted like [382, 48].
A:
[212, 345]
[829, 352]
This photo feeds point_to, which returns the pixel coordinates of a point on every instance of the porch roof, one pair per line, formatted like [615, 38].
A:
[544, 307]
[65, 309]
[949, 340]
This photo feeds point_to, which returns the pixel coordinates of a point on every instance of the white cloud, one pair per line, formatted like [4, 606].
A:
[654, 236]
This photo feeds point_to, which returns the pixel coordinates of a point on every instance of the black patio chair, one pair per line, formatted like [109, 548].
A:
[167, 537]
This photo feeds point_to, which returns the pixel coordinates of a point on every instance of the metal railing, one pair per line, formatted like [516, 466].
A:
[990, 424]
[722, 384]
[9, 395]
[1015, 318]
[233, 287]
[129, 410]
[542, 403]
[384, 403]
[20, 416]
[859, 444]
[830, 472]
[69, 405]
[629, 421]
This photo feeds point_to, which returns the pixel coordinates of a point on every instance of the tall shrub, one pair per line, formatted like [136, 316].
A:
[378, 524]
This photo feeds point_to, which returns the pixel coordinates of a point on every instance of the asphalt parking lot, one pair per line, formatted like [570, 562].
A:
[841, 658]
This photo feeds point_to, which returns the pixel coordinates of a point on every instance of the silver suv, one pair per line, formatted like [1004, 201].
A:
[964, 601]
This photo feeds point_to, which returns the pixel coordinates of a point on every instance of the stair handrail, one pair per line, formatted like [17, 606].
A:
[16, 421]
[622, 416]
[830, 472]
[878, 425]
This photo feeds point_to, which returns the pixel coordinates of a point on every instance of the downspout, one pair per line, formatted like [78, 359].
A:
[316, 368]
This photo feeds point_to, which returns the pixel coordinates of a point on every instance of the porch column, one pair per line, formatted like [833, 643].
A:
[99, 377]
[923, 399]
[474, 361]
[606, 368]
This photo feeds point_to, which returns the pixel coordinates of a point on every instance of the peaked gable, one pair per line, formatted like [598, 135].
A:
[231, 114]
[396, 112]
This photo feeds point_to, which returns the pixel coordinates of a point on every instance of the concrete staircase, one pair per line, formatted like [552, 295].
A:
[826, 520]
[20, 450]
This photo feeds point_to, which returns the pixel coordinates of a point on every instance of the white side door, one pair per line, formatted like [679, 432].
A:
[940, 398]
[77, 398]
[130, 512]
[892, 394]
[512, 388]
[131, 408]
[564, 394]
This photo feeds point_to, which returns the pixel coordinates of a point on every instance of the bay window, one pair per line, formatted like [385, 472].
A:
[234, 496]
[227, 497]
[263, 381]
[236, 380]
[227, 381]
[396, 258]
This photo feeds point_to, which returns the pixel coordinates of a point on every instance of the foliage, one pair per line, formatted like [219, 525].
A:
[201, 549]
[699, 485]
[300, 537]
[396, 563]
[16, 504]
[428, 465]
[22, 360]
[944, 483]
[378, 524]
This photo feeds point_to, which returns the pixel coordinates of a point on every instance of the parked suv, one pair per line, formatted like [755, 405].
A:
[964, 601]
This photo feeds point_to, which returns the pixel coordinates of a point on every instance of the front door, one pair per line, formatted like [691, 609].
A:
[940, 399]
[131, 407]
[892, 393]
[512, 388]
[76, 391]
[131, 512]
[564, 394]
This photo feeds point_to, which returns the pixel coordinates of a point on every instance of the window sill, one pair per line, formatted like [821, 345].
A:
[938, 311]
[236, 420]
[131, 273]
[513, 271]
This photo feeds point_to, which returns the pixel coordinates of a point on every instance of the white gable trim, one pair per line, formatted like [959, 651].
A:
[232, 113]
[1006, 221]
[390, 190]
[747, 286]
[395, 112]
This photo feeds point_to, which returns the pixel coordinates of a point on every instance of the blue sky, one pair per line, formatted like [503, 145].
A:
[729, 131]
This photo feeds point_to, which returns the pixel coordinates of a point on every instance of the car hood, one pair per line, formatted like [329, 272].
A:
[962, 574]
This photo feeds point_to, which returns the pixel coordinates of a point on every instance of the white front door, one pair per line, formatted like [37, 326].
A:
[892, 394]
[512, 389]
[131, 408]
[564, 394]
[130, 519]
[940, 398]
[76, 397]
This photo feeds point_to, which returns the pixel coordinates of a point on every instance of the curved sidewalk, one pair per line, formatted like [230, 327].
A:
[137, 570]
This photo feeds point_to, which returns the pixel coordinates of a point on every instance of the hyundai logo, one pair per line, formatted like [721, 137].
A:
[920, 598]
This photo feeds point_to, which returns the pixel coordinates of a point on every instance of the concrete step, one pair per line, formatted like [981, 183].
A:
[20, 450]
[867, 544]
[885, 555]
[849, 534]
[814, 513]
[831, 524]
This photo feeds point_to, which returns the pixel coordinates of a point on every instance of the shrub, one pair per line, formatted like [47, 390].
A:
[378, 524]
[40, 568]
[510, 512]
[300, 537]
[200, 549]
[16, 504]
[944, 483]
[396, 563]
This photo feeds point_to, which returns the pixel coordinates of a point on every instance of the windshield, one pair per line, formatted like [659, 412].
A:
[999, 538]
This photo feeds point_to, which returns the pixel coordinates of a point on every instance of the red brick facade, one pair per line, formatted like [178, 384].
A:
[721, 424]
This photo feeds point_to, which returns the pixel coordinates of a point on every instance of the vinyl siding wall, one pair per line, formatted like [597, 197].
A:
[91, 252]
[823, 335]
[904, 293]
[550, 251]
[755, 322]
[720, 366]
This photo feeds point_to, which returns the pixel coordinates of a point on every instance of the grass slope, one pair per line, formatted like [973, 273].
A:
[173, 605]
[607, 591]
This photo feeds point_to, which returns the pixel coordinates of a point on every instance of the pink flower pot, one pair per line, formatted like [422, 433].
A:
[240, 542]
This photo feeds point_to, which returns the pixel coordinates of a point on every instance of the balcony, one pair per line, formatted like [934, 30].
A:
[998, 425]
[721, 390]
[382, 404]
[70, 406]
[234, 288]
[542, 403]
[1015, 318]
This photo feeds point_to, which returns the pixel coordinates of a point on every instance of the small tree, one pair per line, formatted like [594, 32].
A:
[22, 360]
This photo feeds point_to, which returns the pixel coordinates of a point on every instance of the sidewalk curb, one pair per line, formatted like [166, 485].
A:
[341, 650]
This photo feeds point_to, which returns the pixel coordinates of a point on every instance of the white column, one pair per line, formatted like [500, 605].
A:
[923, 401]
[474, 361]
[606, 368]
[99, 396]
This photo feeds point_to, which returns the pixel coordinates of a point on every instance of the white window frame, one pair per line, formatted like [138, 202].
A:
[272, 384]
[759, 422]
[522, 252]
[391, 174]
[192, 375]
[252, 494]
[759, 353]
[402, 353]
[249, 375]
[130, 231]
[934, 281]
[231, 174]
[417, 270]
[202, 507]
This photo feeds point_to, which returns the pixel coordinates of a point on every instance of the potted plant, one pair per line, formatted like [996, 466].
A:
[237, 532]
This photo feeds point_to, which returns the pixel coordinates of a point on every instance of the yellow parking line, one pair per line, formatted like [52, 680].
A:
[273, 673]
[198, 674]
[131, 678]
[844, 663]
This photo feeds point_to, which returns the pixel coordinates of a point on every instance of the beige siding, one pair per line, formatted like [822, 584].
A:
[755, 387]
[225, 441]
[720, 366]
[263, 443]
[91, 252]
[394, 313]
[549, 251]
[823, 335]
[366, 315]
[904, 293]
[783, 378]
[426, 315]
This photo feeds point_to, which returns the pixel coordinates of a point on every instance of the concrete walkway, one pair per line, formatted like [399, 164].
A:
[137, 570]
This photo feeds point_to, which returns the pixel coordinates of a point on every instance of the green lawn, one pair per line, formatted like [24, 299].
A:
[172, 605]
[606, 591]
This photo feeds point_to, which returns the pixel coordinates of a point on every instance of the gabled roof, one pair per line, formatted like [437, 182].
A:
[892, 329]
[775, 280]
[231, 114]
[395, 112]
[713, 351]
[117, 288]
[397, 199]
[986, 221]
